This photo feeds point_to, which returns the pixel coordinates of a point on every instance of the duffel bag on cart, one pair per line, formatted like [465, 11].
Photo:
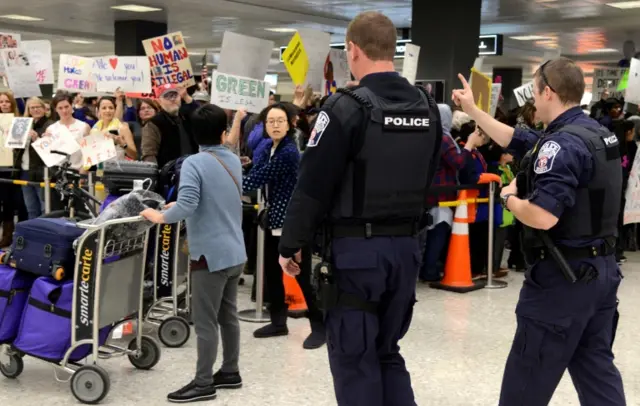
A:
[44, 247]
[45, 328]
[118, 176]
[14, 291]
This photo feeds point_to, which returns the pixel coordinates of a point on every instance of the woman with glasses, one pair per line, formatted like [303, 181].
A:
[28, 162]
[277, 172]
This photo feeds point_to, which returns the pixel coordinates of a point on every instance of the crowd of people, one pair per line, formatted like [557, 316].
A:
[231, 154]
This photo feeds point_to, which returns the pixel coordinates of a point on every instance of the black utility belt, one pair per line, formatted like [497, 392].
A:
[369, 230]
[573, 253]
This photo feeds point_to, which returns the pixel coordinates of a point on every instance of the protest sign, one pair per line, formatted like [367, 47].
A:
[20, 73]
[127, 73]
[39, 53]
[133, 95]
[607, 80]
[169, 60]
[524, 93]
[6, 154]
[16, 137]
[632, 94]
[245, 56]
[632, 204]
[61, 140]
[410, 64]
[316, 46]
[336, 71]
[9, 40]
[481, 89]
[235, 92]
[96, 148]
[74, 74]
[296, 60]
[496, 89]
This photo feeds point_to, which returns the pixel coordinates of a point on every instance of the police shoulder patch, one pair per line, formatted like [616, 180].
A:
[546, 156]
[322, 122]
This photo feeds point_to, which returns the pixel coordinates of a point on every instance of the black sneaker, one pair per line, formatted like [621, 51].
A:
[192, 393]
[227, 380]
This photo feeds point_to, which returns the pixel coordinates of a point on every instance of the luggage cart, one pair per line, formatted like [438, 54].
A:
[170, 310]
[108, 290]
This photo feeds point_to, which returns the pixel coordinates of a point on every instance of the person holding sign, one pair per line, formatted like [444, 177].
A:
[167, 135]
[568, 199]
[113, 128]
[364, 176]
[62, 103]
[29, 163]
[9, 194]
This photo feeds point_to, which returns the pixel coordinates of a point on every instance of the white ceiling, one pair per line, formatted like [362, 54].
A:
[575, 27]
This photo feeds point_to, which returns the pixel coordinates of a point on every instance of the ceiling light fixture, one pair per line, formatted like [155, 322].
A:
[196, 53]
[281, 29]
[531, 38]
[602, 51]
[79, 41]
[21, 17]
[625, 5]
[136, 8]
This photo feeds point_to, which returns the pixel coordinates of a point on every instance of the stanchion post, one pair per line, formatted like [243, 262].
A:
[258, 315]
[491, 284]
[92, 187]
[47, 191]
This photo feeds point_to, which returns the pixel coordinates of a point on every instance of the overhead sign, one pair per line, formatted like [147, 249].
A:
[490, 44]
[487, 45]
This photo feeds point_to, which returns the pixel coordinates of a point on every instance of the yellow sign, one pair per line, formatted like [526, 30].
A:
[481, 88]
[296, 60]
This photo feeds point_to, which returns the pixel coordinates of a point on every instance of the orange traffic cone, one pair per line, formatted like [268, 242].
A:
[293, 297]
[457, 271]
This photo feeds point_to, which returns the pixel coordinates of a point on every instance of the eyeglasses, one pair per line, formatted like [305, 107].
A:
[279, 121]
[544, 77]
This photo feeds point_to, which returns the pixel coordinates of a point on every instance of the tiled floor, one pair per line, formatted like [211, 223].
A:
[456, 351]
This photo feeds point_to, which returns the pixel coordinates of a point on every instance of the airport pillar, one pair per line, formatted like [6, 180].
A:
[447, 33]
[129, 35]
[511, 79]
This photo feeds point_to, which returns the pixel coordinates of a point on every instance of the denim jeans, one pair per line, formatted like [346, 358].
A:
[33, 198]
[436, 241]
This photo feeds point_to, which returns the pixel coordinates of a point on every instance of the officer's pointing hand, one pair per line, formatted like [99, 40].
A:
[464, 97]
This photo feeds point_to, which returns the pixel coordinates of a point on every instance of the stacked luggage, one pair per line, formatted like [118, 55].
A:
[39, 289]
[36, 289]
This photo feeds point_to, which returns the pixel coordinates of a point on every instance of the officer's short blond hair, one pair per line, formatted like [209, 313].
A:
[564, 77]
[375, 34]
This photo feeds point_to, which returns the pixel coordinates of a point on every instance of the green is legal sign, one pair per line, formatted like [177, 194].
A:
[237, 92]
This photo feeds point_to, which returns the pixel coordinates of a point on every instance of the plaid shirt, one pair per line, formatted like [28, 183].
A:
[451, 161]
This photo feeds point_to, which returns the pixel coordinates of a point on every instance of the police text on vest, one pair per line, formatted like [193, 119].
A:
[406, 122]
[613, 140]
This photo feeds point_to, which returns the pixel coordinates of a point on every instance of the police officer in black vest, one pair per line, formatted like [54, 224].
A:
[370, 159]
[568, 199]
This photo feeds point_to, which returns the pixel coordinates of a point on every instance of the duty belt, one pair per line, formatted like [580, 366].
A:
[574, 253]
[369, 230]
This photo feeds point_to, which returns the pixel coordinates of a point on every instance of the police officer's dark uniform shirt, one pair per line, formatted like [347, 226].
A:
[325, 160]
[563, 164]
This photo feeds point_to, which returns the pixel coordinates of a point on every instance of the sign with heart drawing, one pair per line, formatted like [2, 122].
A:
[127, 73]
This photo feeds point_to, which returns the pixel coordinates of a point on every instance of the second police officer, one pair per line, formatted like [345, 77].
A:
[568, 199]
[368, 164]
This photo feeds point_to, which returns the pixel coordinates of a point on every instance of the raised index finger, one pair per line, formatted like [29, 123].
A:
[465, 84]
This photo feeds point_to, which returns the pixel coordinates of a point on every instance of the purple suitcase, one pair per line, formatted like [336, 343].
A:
[14, 291]
[43, 245]
[45, 329]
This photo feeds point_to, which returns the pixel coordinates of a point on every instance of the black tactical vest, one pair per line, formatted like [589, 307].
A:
[597, 206]
[393, 162]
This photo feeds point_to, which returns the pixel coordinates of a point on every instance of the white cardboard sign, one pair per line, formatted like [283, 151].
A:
[236, 92]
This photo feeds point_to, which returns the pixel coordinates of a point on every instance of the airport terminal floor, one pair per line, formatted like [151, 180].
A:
[455, 351]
